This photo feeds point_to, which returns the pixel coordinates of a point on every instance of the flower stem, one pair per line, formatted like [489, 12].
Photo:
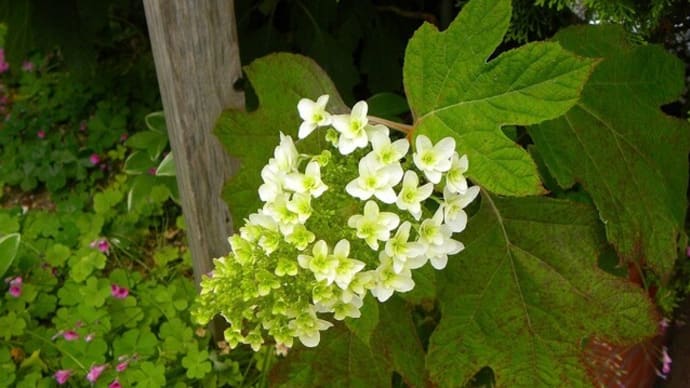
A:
[60, 349]
[404, 128]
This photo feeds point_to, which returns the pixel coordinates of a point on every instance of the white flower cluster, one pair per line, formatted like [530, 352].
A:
[373, 230]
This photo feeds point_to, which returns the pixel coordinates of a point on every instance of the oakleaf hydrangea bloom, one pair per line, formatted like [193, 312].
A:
[375, 180]
[454, 205]
[354, 129]
[405, 253]
[411, 195]
[314, 115]
[336, 227]
[434, 159]
[455, 178]
[373, 226]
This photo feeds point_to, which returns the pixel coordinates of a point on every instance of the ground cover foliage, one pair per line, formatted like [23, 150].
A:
[527, 294]
[578, 235]
[96, 276]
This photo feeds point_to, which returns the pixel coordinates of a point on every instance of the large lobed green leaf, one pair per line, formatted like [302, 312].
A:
[343, 359]
[453, 91]
[9, 245]
[616, 142]
[280, 81]
[526, 292]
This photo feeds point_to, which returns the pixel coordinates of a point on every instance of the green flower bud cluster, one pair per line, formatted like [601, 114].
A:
[335, 227]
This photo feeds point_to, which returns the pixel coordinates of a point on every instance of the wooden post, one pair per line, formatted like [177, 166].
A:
[196, 53]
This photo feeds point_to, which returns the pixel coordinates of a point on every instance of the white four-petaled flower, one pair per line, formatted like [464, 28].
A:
[437, 238]
[433, 160]
[320, 263]
[310, 182]
[314, 115]
[405, 254]
[455, 177]
[411, 195]
[385, 151]
[375, 179]
[352, 128]
[453, 207]
[389, 281]
[307, 327]
[347, 267]
[373, 226]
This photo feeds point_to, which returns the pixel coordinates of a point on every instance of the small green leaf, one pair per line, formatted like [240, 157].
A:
[454, 91]
[155, 121]
[177, 337]
[150, 141]
[9, 244]
[95, 291]
[197, 364]
[43, 305]
[88, 353]
[8, 222]
[106, 200]
[34, 361]
[126, 312]
[140, 191]
[167, 166]
[7, 368]
[11, 325]
[139, 162]
[136, 341]
[57, 254]
[83, 266]
[147, 374]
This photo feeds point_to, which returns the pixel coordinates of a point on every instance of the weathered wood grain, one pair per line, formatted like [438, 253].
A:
[197, 61]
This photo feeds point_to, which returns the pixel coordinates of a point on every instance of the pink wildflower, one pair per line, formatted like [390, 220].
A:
[665, 363]
[41, 134]
[101, 244]
[94, 159]
[82, 126]
[663, 325]
[95, 372]
[115, 384]
[687, 251]
[123, 137]
[4, 66]
[118, 292]
[28, 66]
[62, 375]
[16, 286]
[70, 335]
[121, 367]
[16, 291]
[152, 171]
[89, 337]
